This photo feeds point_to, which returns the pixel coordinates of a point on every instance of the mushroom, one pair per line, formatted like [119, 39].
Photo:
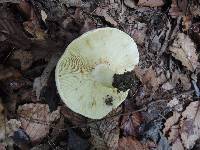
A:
[84, 73]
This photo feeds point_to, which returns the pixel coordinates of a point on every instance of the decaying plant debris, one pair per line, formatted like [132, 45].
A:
[162, 108]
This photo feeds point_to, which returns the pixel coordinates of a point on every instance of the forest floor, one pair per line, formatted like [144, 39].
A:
[161, 111]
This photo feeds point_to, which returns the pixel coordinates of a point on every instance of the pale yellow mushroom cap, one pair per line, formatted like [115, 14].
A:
[84, 73]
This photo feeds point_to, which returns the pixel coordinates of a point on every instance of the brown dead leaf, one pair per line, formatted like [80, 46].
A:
[130, 124]
[149, 78]
[2, 122]
[175, 104]
[25, 58]
[195, 8]
[177, 145]
[185, 81]
[187, 22]
[175, 11]
[130, 3]
[182, 5]
[184, 130]
[190, 125]
[171, 121]
[89, 24]
[7, 128]
[59, 125]
[129, 143]
[73, 117]
[168, 86]
[12, 125]
[73, 3]
[7, 73]
[25, 8]
[105, 133]
[177, 78]
[32, 24]
[150, 3]
[184, 50]
[103, 12]
[175, 139]
[10, 1]
[137, 32]
[2, 147]
[11, 31]
[183, 78]
[36, 119]
[33, 28]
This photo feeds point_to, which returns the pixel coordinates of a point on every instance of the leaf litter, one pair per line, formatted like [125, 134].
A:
[162, 108]
[184, 50]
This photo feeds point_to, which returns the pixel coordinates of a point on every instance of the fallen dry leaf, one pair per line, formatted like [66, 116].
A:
[168, 86]
[73, 117]
[130, 3]
[185, 81]
[7, 73]
[149, 78]
[184, 50]
[151, 3]
[137, 32]
[174, 138]
[89, 24]
[183, 129]
[183, 78]
[175, 11]
[104, 13]
[195, 8]
[12, 31]
[7, 128]
[182, 5]
[75, 142]
[2, 122]
[33, 28]
[2, 147]
[12, 125]
[105, 133]
[10, 1]
[177, 78]
[73, 3]
[190, 125]
[25, 58]
[177, 144]
[171, 121]
[129, 143]
[36, 119]
[187, 22]
[130, 124]
[175, 104]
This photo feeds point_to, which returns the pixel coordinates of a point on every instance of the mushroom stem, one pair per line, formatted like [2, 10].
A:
[103, 74]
